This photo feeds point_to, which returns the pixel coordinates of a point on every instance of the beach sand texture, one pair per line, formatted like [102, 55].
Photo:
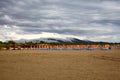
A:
[60, 65]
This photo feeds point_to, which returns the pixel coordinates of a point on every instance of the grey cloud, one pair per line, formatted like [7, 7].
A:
[62, 16]
[114, 22]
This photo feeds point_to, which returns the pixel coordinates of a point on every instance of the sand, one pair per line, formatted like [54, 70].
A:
[60, 65]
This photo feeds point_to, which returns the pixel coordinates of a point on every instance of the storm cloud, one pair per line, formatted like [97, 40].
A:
[97, 20]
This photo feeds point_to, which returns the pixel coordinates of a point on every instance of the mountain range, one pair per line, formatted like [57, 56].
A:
[54, 40]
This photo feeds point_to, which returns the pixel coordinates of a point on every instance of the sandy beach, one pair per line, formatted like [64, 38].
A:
[60, 65]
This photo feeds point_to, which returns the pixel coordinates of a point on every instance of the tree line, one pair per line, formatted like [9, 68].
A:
[7, 43]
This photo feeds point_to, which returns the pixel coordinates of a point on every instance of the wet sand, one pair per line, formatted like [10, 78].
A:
[60, 65]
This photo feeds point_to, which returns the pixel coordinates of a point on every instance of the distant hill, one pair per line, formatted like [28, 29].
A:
[55, 40]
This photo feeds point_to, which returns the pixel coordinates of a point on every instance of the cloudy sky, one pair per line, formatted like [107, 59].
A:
[97, 20]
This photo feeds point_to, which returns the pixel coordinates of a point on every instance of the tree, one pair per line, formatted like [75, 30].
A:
[42, 42]
[1, 42]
